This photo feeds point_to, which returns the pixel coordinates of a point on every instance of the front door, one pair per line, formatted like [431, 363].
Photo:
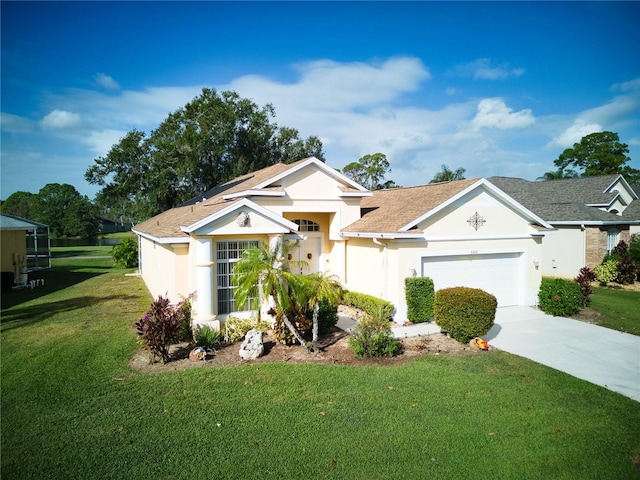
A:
[309, 252]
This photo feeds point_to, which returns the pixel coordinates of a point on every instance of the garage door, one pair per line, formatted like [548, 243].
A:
[498, 274]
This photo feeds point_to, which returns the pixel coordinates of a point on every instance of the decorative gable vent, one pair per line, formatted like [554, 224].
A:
[476, 221]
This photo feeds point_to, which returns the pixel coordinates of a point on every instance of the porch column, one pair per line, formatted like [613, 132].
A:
[204, 283]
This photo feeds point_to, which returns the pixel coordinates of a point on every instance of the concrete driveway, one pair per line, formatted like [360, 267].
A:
[599, 355]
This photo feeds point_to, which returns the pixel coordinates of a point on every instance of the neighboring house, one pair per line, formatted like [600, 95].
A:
[459, 233]
[590, 216]
[108, 225]
[24, 246]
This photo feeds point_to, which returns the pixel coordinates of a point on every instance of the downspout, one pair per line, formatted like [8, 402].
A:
[385, 267]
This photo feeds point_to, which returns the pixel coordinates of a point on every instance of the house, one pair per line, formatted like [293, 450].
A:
[467, 232]
[589, 215]
[24, 247]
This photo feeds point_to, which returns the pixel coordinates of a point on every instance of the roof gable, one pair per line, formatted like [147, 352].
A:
[400, 211]
[241, 217]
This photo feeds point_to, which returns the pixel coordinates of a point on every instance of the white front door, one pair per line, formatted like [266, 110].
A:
[309, 252]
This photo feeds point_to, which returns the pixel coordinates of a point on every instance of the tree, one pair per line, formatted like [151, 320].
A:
[599, 153]
[211, 140]
[18, 204]
[448, 175]
[263, 272]
[124, 174]
[319, 288]
[369, 170]
[558, 174]
[65, 211]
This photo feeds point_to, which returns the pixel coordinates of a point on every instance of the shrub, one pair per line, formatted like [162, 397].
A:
[125, 253]
[465, 313]
[237, 328]
[373, 306]
[559, 297]
[208, 338]
[161, 327]
[626, 271]
[419, 293]
[186, 334]
[607, 271]
[634, 253]
[372, 337]
[620, 250]
[327, 316]
[584, 279]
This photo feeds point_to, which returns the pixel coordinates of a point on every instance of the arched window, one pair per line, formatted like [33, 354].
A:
[307, 225]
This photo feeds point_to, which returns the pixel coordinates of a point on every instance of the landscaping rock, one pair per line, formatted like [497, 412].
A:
[198, 354]
[252, 346]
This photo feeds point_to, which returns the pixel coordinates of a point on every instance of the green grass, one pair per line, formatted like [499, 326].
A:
[66, 252]
[72, 408]
[620, 309]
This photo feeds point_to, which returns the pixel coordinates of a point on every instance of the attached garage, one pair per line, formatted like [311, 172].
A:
[500, 274]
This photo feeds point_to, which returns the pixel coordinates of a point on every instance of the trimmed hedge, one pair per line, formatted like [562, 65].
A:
[559, 297]
[465, 313]
[375, 307]
[419, 293]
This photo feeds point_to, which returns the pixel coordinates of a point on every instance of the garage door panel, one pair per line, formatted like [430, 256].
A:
[497, 274]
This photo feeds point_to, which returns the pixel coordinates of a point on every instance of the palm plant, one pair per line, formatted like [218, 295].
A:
[319, 287]
[263, 272]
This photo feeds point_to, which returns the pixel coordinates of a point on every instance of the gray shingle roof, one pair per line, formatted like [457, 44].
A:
[564, 200]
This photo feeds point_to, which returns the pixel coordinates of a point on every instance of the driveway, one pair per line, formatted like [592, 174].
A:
[599, 355]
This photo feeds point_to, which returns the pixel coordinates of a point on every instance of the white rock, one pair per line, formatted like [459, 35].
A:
[252, 346]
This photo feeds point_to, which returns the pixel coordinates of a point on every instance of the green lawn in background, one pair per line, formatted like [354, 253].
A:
[620, 309]
[72, 408]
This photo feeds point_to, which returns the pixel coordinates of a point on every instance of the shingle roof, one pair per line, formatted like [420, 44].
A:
[563, 200]
[167, 224]
[389, 210]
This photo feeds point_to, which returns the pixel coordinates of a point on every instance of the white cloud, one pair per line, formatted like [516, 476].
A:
[484, 69]
[101, 141]
[60, 119]
[105, 81]
[329, 85]
[494, 113]
[630, 86]
[574, 133]
[14, 124]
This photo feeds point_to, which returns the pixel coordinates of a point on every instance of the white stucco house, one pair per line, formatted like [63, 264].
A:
[467, 232]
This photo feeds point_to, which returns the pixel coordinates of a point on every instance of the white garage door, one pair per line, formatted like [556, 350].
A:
[498, 274]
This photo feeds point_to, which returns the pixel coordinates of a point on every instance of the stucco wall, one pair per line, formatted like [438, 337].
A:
[564, 252]
[165, 269]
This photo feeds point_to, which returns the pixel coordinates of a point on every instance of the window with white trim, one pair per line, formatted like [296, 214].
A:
[307, 225]
[227, 254]
[612, 239]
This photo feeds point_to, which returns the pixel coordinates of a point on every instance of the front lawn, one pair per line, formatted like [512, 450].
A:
[72, 408]
[620, 309]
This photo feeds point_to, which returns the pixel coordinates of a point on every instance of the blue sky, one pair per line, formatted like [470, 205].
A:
[496, 88]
